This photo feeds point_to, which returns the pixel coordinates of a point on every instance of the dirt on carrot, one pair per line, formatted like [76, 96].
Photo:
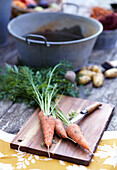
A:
[48, 125]
[74, 132]
[59, 128]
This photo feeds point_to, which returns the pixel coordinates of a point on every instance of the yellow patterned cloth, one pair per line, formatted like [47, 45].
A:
[105, 157]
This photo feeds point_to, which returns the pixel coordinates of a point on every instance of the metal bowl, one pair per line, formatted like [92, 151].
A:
[106, 40]
[40, 53]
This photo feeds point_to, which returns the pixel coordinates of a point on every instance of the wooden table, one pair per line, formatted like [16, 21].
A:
[13, 115]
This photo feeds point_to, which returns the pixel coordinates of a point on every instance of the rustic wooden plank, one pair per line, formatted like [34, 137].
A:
[108, 92]
[4, 107]
[99, 56]
[14, 118]
[30, 137]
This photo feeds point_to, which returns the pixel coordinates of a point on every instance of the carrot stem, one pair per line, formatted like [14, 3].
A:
[44, 98]
[62, 116]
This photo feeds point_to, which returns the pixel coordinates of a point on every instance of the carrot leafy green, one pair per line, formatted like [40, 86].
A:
[15, 84]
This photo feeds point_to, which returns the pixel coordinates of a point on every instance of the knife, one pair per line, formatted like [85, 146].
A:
[85, 112]
[109, 64]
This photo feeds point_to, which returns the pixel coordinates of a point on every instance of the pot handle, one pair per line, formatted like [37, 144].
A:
[72, 4]
[36, 36]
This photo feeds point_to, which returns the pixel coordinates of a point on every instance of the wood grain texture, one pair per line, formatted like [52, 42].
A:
[30, 136]
[13, 116]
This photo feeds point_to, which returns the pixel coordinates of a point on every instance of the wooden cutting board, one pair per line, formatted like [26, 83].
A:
[30, 137]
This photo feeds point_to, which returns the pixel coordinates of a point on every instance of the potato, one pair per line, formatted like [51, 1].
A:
[96, 69]
[84, 79]
[70, 76]
[111, 73]
[98, 79]
[88, 67]
[86, 73]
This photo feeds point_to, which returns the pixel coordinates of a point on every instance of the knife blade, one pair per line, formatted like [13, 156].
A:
[86, 111]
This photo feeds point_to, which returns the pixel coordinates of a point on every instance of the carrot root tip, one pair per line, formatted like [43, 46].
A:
[71, 139]
[91, 151]
[48, 151]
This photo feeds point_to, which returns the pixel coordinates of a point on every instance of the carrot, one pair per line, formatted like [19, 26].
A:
[46, 100]
[40, 115]
[74, 132]
[48, 125]
[59, 128]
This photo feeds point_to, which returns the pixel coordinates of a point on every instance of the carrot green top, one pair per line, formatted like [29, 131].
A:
[46, 96]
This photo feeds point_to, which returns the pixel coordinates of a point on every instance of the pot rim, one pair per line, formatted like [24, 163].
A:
[57, 43]
[109, 31]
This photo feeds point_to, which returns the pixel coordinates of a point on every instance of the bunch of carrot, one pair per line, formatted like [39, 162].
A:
[49, 124]
[49, 113]
[45, 99]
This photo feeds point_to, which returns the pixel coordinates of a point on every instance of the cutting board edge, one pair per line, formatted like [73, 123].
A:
[112, 105]
[106, 125]
[54, 156]
[33, 115]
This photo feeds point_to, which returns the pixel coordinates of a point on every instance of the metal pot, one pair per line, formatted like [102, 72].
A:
[106, 40]
[5, 12]
[41, 52]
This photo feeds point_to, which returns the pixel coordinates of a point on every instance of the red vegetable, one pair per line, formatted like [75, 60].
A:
[106, 17]
[109, 22]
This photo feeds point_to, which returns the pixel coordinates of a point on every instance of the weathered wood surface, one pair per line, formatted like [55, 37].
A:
[14, 116]
[17, 114]
[93, 125]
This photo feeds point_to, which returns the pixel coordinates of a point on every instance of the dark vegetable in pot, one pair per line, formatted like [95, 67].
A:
[43, 3]
[109, 22]
[31, 6]
[107, 17]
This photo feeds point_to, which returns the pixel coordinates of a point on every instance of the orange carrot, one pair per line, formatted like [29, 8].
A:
[48, 125]
[74, 132]
[40, 115]
[59, 128]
